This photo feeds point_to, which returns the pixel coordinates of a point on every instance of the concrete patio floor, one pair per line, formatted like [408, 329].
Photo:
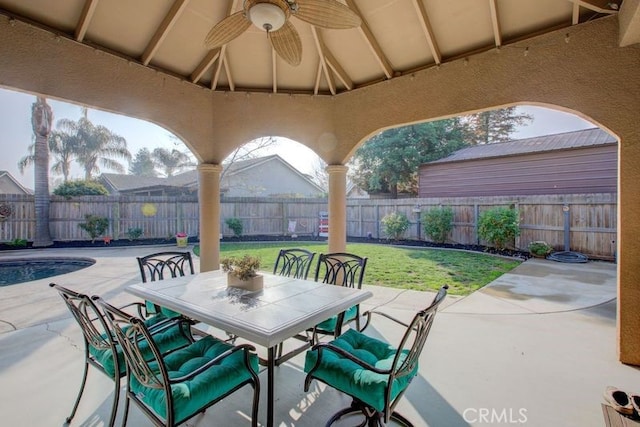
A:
[536, 347]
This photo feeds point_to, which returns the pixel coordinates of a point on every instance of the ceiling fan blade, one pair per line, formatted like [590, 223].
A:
[327, 14]
[226, 30]
[287, 44]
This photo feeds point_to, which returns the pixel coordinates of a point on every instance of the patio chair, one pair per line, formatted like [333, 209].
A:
[172, 388]
[161, 265]
[294, 263]
[102, 351]
[342, 269]
[372, 372]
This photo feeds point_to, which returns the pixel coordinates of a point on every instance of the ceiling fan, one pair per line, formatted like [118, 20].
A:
[272, 16]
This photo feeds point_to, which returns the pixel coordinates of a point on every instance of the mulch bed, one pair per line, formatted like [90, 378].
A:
[99, 243]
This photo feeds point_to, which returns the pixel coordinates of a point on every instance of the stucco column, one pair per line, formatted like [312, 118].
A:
[337, 207]
[629, 249]
[209, 200]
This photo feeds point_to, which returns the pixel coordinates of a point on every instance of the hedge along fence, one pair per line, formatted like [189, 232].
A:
[592, 217]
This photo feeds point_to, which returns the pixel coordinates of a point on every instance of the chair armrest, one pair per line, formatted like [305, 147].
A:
[247, 348]
[368, 314]
[330, 347]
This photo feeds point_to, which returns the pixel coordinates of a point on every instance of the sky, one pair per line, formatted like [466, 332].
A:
[16, 134]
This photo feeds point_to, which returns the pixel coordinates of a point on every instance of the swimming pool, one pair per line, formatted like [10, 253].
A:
[27, 269]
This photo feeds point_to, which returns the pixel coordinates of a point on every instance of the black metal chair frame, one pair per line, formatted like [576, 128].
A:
[342, 269]
[294, 263]
[96, 332]
[414, 339]
[129, 330]
[171, 263]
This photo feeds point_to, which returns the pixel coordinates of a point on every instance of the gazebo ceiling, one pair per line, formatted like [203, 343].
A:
[396, 37]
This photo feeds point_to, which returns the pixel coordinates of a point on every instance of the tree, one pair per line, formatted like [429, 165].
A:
[320, 175]
[493, 126]
[64, 147]
[389, 161]
[62, 150]
[41, 118]
[97, 145]
[143, 164]
[171, 161]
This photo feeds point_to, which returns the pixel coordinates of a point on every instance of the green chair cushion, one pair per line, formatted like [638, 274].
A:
[166, 339]
[329, 325]
[152, 309]
[192, 395]
[351, 378]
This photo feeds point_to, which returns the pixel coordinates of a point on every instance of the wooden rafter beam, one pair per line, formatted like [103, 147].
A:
[497, 34]
[274, 58]
[428, 31]
[593, 7]
[323, 62]
[333, 63]
[211, 57]
[85, 19]
[204, 65]
[372, 42]
[316, 88]
[167, 23]
[575, 18]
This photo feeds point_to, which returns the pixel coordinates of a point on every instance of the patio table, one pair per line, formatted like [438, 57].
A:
[283, 309]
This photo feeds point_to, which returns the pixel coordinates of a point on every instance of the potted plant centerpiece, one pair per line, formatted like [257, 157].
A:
[540, 249]
[242, 272]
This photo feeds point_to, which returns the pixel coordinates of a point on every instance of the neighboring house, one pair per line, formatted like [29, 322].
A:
[579, 162]
[355, 192]
[268, 176]
[9, 185]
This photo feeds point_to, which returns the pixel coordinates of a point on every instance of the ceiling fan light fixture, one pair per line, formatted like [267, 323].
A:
[267, 16]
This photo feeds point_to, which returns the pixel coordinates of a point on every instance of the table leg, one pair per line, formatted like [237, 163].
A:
[271, 364]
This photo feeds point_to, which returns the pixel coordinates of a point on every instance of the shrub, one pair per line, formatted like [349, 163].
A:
[18, 243]
[80, 188]
[395, 225]
[540, 248]
[438, 223]
[235, 225]
[94, 225]
[498, 226]
[134, 233]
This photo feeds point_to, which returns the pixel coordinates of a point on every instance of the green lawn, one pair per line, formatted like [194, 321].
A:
[399, 267]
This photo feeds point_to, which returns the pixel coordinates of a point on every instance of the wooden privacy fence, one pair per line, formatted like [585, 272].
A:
[591, 220]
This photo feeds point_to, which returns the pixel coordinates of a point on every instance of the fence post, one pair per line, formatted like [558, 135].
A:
[476, 215]
[115, 221]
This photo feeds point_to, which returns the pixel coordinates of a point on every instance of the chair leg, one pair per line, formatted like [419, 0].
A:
[116, 399]
[126, 408]
[372, 418]
[84, 381]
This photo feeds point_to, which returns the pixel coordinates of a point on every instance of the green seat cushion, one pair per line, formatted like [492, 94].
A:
[330, 324]
[166, 339]
[351, 378]
[153, 309]
[192, 395]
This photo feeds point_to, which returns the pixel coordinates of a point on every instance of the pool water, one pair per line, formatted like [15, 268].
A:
[26, 270]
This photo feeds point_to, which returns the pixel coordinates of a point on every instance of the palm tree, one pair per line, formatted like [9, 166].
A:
[41, 118]
[171, 161]
[96, 145]
[63, 147]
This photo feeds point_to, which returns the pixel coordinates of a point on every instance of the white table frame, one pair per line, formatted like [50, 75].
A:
[284, 308]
